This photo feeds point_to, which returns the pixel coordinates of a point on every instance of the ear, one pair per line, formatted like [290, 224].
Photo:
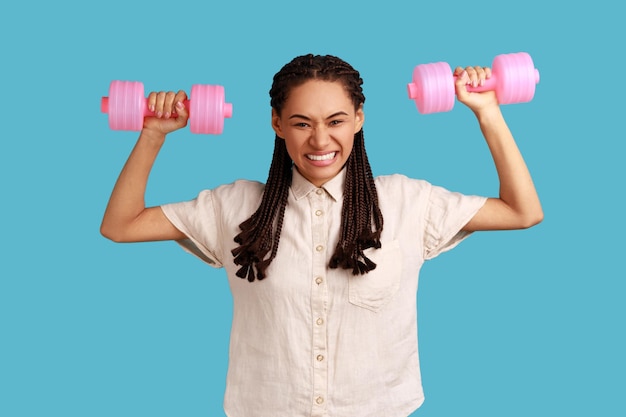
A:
[276, 124]
[359, 119]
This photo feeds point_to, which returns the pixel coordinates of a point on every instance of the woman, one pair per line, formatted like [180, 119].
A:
[323, 260]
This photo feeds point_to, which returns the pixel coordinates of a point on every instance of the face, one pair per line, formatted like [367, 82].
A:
[318, 123]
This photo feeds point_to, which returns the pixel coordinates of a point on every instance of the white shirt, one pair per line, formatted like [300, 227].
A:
[313, 341]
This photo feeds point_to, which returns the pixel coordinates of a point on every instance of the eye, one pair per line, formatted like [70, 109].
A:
[336, 122]
[301, 125]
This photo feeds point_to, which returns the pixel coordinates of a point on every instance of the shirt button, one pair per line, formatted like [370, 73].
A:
[319, 321]
[319, 191]
[319, 280]
[320, 358]
[319, 248]
[319, 400]
[318, 212]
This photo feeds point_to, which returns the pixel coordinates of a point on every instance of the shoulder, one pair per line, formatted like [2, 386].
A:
[394, 184]
[241, 192]
[241, 185]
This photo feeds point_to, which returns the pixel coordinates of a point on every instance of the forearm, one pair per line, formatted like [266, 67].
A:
[127, 201]
[517, 190]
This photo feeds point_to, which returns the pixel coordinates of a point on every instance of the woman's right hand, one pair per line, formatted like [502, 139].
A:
[169, 110]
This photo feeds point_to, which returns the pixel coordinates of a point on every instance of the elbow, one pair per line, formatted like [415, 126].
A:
[110, 233]
[532, 219]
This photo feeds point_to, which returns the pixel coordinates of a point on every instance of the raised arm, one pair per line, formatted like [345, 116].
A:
[517, 206]
[126, 218]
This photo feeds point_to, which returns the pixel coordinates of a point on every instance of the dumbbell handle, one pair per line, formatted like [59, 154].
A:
[104, 108]
[488, 85]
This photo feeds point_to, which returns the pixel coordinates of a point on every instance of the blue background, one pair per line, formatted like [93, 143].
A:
[512, 323]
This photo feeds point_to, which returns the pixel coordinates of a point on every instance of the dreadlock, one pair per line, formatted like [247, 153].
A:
[360, 212]
[361, 218]
[261, 232]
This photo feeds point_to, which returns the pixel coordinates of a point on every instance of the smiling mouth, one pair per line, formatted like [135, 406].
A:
[325, 157]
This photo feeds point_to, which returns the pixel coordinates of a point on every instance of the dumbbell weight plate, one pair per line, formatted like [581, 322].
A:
[432, 88]
[126, 105]
[517, 78]
[208, 109]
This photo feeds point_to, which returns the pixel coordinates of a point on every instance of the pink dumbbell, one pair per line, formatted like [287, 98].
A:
[513, 77]
[127, 106]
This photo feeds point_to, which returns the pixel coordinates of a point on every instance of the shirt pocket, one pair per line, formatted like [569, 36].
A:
[374, 289]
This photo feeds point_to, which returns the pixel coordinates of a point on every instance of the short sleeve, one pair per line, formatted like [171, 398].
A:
[446, 215]
[211, 220]
[197, 219]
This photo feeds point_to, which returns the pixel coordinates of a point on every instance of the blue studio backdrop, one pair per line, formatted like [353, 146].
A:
[512, 323]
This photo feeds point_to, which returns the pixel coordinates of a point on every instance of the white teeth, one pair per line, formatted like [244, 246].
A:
[322, 157]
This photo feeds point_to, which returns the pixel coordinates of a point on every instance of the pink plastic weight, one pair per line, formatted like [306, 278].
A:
[431, 88]
[513, 78]
[127, 106]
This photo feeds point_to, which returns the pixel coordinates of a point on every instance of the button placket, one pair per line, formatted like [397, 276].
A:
[319, 295]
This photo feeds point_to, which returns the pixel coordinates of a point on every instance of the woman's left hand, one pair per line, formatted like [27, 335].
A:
[474, 77]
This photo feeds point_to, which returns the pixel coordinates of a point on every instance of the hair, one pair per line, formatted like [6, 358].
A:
[361, 217]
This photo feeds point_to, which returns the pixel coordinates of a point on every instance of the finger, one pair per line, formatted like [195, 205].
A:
[462, 81]
[481, 75]
[159, 104]
[168, 104]
[152, 101]
[485, 74]
[474, 75]
[179, 100]
[458, 71]
[181, 96]
[461, 75]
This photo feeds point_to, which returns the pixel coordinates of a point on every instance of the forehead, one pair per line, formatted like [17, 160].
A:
[318, 94]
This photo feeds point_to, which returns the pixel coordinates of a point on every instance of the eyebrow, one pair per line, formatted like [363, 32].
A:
[300, 116]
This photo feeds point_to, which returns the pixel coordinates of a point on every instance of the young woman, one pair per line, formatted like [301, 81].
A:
[323, 260]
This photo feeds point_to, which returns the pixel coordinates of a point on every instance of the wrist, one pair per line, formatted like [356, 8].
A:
[152, 136]
[488, 115]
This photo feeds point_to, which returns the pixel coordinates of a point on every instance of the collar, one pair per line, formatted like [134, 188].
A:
[301, 187]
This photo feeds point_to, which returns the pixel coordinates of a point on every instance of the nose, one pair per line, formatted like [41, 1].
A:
[320, 138]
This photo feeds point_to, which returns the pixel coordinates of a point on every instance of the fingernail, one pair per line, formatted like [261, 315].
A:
[179, 105]
[159, 114]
